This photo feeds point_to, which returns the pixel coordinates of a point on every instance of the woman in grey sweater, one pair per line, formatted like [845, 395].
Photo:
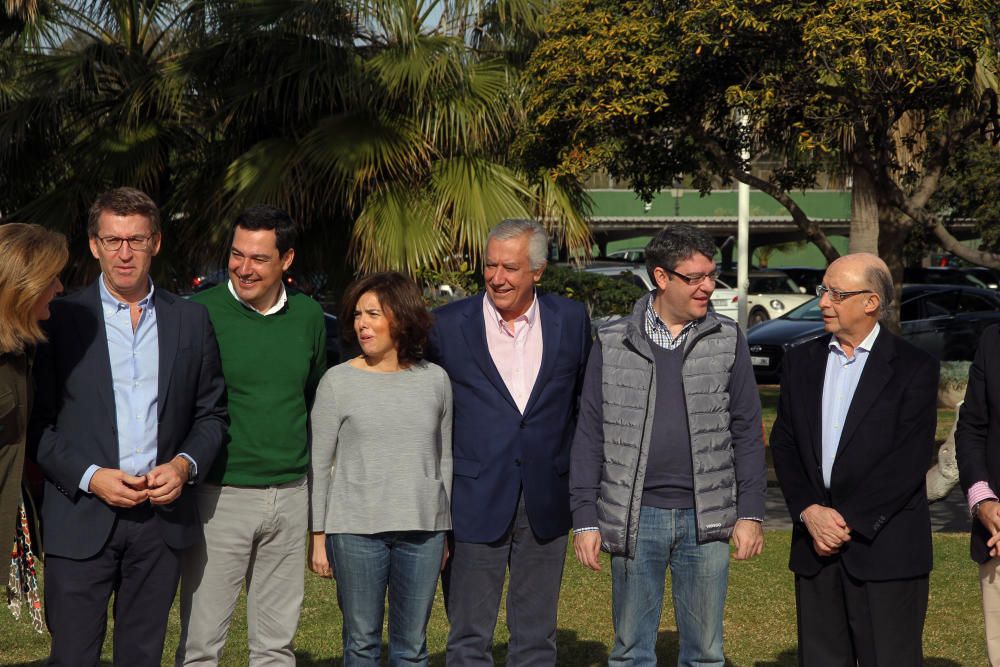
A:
[381, 473]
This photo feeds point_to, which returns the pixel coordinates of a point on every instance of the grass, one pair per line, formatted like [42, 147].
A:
[759, 625]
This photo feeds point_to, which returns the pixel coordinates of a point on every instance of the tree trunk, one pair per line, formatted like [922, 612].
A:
[864, 213]
[893, 230]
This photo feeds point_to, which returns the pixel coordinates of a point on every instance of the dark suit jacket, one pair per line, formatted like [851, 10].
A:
[497, 451]
[74, 418]
[877, 481]
[977, 436]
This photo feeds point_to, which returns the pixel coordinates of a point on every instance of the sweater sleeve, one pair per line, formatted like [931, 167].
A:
[748, 437]
[446, 426]
[587, 453]
[324, 421]
[318, 361]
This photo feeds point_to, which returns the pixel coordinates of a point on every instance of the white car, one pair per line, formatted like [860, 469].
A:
[724, 298]
[770, 294]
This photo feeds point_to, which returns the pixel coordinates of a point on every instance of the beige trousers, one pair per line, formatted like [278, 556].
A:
[989, 583]
[253, 536]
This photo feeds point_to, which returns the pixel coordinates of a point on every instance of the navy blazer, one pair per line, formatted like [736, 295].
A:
[497, 451]
[74, 417]
[977, 434]
[886, 446]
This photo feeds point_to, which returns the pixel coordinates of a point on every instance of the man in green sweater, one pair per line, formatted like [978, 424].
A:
[254, 503]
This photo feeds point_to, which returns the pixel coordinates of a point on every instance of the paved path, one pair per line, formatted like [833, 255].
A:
[949, 515]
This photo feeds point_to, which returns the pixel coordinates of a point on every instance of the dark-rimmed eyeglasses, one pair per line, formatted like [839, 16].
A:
[695, 278]
[837, 295]
[136, 243]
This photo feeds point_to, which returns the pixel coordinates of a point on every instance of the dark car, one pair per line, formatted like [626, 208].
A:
[941, 275]
[989, 276]
[944, 320]
[804, 276]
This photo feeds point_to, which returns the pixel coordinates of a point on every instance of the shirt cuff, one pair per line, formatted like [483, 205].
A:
[751, 518]
[585, 529]
[979, 492]
[85, 480]
[192, 468]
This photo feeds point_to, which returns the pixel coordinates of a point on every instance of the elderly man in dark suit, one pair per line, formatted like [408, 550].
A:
[852, 443]
[515, 357]
[131, 405]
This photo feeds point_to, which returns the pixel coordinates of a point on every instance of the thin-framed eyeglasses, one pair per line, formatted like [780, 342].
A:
[136, 243]
[837, 295]
[695, 278]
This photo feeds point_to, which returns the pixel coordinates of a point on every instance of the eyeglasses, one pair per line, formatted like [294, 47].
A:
[136, 243]
[837, 295]
[695, 278]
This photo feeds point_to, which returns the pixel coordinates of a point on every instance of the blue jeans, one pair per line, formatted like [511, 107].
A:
[698, 574]
[407, 563]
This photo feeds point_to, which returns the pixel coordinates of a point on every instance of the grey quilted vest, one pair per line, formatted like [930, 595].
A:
[629, 396]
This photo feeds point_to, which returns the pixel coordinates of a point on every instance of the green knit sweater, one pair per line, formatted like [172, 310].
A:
[272, 365]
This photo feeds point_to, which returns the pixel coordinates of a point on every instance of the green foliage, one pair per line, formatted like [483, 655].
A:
[604, 295]
[969, 190]
[385, 134]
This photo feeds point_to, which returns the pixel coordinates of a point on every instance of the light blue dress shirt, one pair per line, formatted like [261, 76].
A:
[135, 362]
[839, 384]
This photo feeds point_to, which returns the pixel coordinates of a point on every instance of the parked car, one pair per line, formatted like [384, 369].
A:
[333, 344]
[770, 294]
[987, 275]
[805, 276]
[944, 320]
[634, 255]
[724, 298]
[941, 275]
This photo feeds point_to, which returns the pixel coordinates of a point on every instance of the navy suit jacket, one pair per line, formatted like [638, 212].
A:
[877, 480]
[497, 451]
[74, 417]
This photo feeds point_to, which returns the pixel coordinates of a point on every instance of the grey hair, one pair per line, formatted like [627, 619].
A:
[880, 281]
[675, 243]
[538, 244]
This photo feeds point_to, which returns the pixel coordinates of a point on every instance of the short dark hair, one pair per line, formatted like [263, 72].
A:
[400, 298]
[675, 243]
[123, 201]
[262, 216]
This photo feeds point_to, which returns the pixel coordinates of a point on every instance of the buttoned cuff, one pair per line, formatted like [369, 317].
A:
[87, 476]
[587, 529]
[979, 492]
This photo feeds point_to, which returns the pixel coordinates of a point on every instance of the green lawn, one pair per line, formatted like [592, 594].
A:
[760, 617]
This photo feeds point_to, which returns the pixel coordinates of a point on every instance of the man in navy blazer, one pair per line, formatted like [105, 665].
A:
[516, 358]
[130, 404]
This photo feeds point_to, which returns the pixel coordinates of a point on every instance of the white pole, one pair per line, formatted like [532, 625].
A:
[743, 240]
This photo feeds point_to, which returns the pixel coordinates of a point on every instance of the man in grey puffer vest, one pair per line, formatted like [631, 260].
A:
[668, 459]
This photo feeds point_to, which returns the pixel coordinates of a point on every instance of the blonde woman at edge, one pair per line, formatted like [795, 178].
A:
[381, 473]
[31, 259]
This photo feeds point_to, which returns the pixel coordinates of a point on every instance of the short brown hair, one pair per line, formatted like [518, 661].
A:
[123, 201]
[32, 258]
[400, 298]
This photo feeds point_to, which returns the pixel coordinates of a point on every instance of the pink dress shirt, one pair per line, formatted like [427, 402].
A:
[516, 349]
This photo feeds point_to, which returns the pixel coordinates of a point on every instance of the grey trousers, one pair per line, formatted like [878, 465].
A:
[255, 536]
[473, 584]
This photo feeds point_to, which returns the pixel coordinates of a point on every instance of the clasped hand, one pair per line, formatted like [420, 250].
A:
[160, 486]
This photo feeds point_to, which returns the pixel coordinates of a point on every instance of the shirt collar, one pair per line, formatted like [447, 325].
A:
[529, 316]
[282, 299]
[654, 321]
[113, 304]
[864, 346]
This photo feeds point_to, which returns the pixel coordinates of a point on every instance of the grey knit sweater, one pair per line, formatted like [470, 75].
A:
[381, 451]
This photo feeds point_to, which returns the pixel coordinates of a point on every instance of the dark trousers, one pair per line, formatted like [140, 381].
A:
[473, 584]
[140, 570]
[844, 622]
